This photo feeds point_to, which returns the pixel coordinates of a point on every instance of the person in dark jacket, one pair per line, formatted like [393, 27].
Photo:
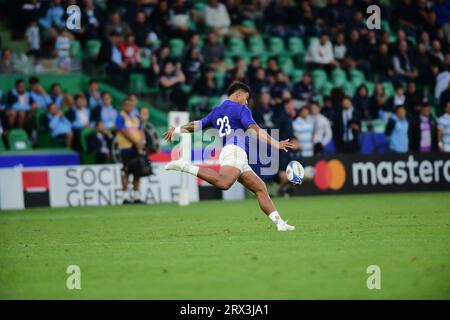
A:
[346, 127]
[423, 130]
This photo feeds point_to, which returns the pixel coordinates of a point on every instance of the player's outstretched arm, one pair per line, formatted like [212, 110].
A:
[263, 136]
[188, 127]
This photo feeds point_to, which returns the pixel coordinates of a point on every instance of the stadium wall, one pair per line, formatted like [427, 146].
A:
[95, 185]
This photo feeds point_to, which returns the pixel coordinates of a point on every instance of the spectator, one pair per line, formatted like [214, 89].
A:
[413, 98]
[382, 64]
[18, 105]
[100, 142]
[130, 141]
[91, 20]
[206, 86]
[33, 40]
[397, 131]
[327, 109]
[56, 94]
[320, 53]
[253, 67]
[152, 140]
[111, 54]
[259, 82]
[7, 62]
[423, 130]
[105, 112]
[37, 93]
[214, 53]
[346, 127]
[216, 17]
[403, 63]
[398, 99]
[279, 87]
[284, 121]
[53, 18]
[322, 134]
[423, 64]
[130, 53]
[192, 65]
[160, 18]
[272, 69]
[304, 130]
[303, 90]
[339, 48]
[262, 111]
[378, 102]
[444, 130]
[93, 94]
[79, 115]
[59, 126]
[146, 37]
[436, 54]
[444, 97]
[442, 82]
[361, 101]
[62, 50]
[179, 17]
[171, 80]
[116, 25]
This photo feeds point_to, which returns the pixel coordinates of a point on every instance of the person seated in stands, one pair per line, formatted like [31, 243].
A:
[38, 93]
[117, 26]
[216, 17]
[262, 111]
[170, 81]
[206, 86]
[398, 99]
[130, 53]
[91, 20]
[320, 53]
[192, 64]
[152, 139]
[79, 116]
[179, 17]
[56, 94]
[18, 105]
[214, 52]
[146, 36]
[259, 83]
[93, 94]
[361, 101]
[111, 54]
[59, 126]
[53, 18]
[303, 90]
[100, 142]
[397, 130]
[105, 112]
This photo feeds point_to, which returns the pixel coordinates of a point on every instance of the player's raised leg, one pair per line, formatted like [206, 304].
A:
[223, 179]
[255, 184]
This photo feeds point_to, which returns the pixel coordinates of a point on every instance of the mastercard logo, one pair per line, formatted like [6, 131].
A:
[329, 175]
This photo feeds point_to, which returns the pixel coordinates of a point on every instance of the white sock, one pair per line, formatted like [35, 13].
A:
[136, 195]
[126, 195]
[191, 169]
[275, 217]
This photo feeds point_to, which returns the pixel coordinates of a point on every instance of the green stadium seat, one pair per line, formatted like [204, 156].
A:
[256, 46]
[296, 75]
[338, 77]
[87, 156]
[357, 77]
[296, 47]
[370, 87]
[236, 47]
[319, 78]
[176, 48]
[18, 140]
[276, 46]
[2, 145]
[214, 101]
[194, 106]
[92, 48]
[75, 49]
[349, 89]
[138, 84]
[311, 39]
[326, 88]
[219, 76]
[249, 24]
[146, 62]
[388, 89]
[286, 65]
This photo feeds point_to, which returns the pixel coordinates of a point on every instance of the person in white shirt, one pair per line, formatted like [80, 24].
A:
[320, 53]
[444, 130]
[442, 82]
[216, 17]
[33, 39]
[322, 133]
[303, 131]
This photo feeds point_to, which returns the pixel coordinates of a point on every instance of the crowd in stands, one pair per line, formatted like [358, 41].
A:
[316, 71]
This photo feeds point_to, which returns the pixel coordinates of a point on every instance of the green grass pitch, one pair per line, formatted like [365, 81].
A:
[230, 250]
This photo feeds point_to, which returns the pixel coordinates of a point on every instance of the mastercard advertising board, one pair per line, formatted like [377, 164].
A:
[335, 174]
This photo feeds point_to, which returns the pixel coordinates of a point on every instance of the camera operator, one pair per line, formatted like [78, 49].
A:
[131, 142]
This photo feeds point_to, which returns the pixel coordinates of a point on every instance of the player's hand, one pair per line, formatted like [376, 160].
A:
[168, 134]
[285, 145]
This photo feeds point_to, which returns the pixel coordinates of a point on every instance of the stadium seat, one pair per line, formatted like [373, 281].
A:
[146, 62]
[256, 46]
[176, 48]
[296, 75]
[214, 101]
[92, 48]
[219, 76]
[249, 24]
[326, 88]
[43, 138]
[349, 89]
[276, 46]
[194, 106]
[87, 157]
[338, 77]
[2, 145]
[138, 84]
[75, 49]
[319, 78]
[18, 140]
[370, 87]
[388, 89]
[236, 47]
[286, 65]
[357, 77]
[296, 47]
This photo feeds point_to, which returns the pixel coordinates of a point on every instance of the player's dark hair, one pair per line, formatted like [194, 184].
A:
[236, 86]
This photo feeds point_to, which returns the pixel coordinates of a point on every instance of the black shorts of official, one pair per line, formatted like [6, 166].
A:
[127, 155]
